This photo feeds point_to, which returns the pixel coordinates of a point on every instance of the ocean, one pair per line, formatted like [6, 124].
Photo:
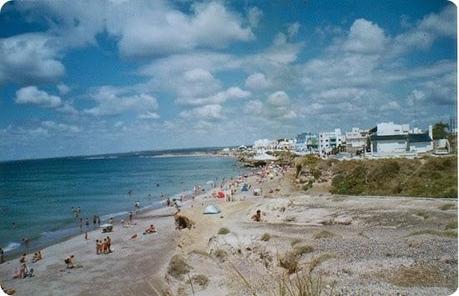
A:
[37, 196]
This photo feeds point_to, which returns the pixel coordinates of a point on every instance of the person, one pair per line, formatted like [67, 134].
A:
[87, 223]
[86, 235]
[109, 244]
[110, 221]
[137, 205]
[130, 217]
[98, 246]
[81, 224]
[150, 229]
[37, 257]
[168, 202]
[69, 261]
[2, 258]
[14, 225]
[257, 216]
[23, 270]
[23, 258]
[94, 221]
[25, 241]
[98, 221]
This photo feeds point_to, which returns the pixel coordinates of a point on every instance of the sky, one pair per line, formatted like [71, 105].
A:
[94, 77]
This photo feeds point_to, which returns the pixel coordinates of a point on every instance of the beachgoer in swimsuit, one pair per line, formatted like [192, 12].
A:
[2, 258]
[150, 229]
[257, 216]
[109, 244]
[23, 258]
[69, 261]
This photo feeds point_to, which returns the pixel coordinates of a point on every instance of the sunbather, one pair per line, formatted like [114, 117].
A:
[69, 261]
[150, 229]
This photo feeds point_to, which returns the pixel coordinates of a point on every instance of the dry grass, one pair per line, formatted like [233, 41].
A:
[265, 237]
[223, 231]
[302, 249]
[304, 284]
[446, 207]
[220, 254]
[199, 279]
[319, 260]
[323, 234]
[422, 214]
[295, 241]
[447, 233]
[451, 225]
[289, 261]
[199, 252]
[418, 275]
[178, 267]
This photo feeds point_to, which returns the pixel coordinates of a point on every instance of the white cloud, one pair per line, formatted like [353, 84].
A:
[256, 81]
[390, 106]
[29, 58]
[161, 30]
[63, 89]
[426, 31]
[207, 113]
[32, 95]
[293, 29]
[253, 107]
[218, 98]
[278, 99]
[113, 101]
[149, 115]
[254, 16]
[365, 37]
[59, 127]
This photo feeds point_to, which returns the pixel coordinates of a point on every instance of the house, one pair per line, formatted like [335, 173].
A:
[285, 144]
[306, 142]
[263, 145]
[389, 139]
[356, 140]
[330, 140]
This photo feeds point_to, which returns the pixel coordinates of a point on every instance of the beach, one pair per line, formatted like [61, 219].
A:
[355, 244]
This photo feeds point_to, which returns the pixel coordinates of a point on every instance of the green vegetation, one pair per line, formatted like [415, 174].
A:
[223, 231]
[265, 237]
[426, 177]
[447, 233]
[440, 131]
[451, 225]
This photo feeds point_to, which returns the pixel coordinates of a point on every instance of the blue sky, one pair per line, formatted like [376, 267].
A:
[89, 77]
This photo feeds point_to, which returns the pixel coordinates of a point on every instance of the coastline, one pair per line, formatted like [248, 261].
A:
[357, 244]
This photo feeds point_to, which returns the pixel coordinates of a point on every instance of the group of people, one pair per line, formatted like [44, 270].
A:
[37, 257]
[103, 246]
[23, 270]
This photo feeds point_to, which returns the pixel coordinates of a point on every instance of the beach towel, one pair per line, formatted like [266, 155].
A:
[212, 209]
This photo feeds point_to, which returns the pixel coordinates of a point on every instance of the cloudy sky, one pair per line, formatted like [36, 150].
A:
[88, 77]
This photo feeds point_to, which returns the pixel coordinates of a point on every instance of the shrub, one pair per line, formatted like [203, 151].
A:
[295, 241]
[323, 234]
[178, 267]
[223, 231]
[265, 237]
[200, 279]
[451, 225]
[289, 261]
[302, 249]
[220, 254]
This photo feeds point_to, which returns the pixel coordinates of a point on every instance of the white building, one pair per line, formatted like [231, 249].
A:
[330, 140]
[263, 145]
[389, 139]
[356, 140]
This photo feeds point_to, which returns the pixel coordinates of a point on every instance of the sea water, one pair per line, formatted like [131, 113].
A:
[38, 195]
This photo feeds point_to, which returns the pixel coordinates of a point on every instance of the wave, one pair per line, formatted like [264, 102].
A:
[101, 157]
[11, 246]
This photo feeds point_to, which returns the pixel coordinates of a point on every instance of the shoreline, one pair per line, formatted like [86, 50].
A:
[360, 244]
[71, 230]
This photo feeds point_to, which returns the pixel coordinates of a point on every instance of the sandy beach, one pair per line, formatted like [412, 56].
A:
[356, 245]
